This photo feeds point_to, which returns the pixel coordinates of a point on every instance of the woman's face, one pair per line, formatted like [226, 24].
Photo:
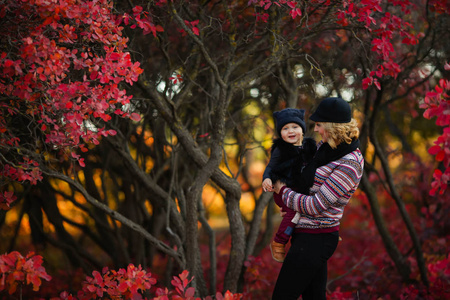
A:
[318, 127]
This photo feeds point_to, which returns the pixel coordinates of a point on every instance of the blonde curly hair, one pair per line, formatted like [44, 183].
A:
[340, 132]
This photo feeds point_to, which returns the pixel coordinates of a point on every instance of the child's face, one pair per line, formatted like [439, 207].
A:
[292, 133]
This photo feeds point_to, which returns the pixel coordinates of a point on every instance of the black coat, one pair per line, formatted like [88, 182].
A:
[289, 160]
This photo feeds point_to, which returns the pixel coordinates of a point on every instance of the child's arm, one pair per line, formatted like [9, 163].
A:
[267, 185]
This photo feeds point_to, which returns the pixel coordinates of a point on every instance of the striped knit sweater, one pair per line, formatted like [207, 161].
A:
[334, 184]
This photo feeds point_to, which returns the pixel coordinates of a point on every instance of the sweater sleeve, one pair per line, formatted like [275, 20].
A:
[335, 191]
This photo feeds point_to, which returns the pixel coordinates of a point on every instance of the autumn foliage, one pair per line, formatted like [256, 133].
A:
[17, 270]
[136, 283]
[437, 105]
[130, 283]
[62, 74]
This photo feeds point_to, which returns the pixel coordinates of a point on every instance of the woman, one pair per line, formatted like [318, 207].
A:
[333, 176]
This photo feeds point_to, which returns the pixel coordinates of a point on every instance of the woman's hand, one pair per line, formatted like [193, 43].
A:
[277, 186]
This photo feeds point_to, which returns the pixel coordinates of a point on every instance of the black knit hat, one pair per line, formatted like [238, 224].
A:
[289, 115]
[334, 110]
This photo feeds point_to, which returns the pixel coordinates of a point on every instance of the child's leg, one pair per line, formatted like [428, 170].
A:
[284, 232]
[286, 227]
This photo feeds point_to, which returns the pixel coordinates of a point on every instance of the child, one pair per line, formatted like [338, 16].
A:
[289, 154]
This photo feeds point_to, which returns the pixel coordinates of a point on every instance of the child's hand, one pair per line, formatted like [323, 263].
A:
[267, 185]
[277, 187]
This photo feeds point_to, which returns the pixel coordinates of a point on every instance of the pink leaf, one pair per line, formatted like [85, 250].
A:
[135, 117]
[190, 292]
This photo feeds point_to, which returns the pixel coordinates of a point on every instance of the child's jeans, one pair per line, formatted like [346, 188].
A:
[286, 227]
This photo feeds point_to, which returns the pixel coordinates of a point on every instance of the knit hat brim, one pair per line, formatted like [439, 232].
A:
[289, 115]
[334, 110]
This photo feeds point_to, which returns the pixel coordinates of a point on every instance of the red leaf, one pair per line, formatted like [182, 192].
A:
[434, 150]
[137, 9]
[291, 4]
[377, 84]
[122, 287]
[367, 82]
[196, 30]
[440, 156]
[8, 63]
[437, 173]
[93, 75]
[81, 162]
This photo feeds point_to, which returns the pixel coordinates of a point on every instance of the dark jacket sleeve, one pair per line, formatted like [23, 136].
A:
[274, 160]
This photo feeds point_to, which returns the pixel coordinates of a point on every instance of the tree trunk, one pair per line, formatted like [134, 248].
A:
[389, 243]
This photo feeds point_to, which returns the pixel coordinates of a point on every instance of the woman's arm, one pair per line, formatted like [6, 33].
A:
[336, 190]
